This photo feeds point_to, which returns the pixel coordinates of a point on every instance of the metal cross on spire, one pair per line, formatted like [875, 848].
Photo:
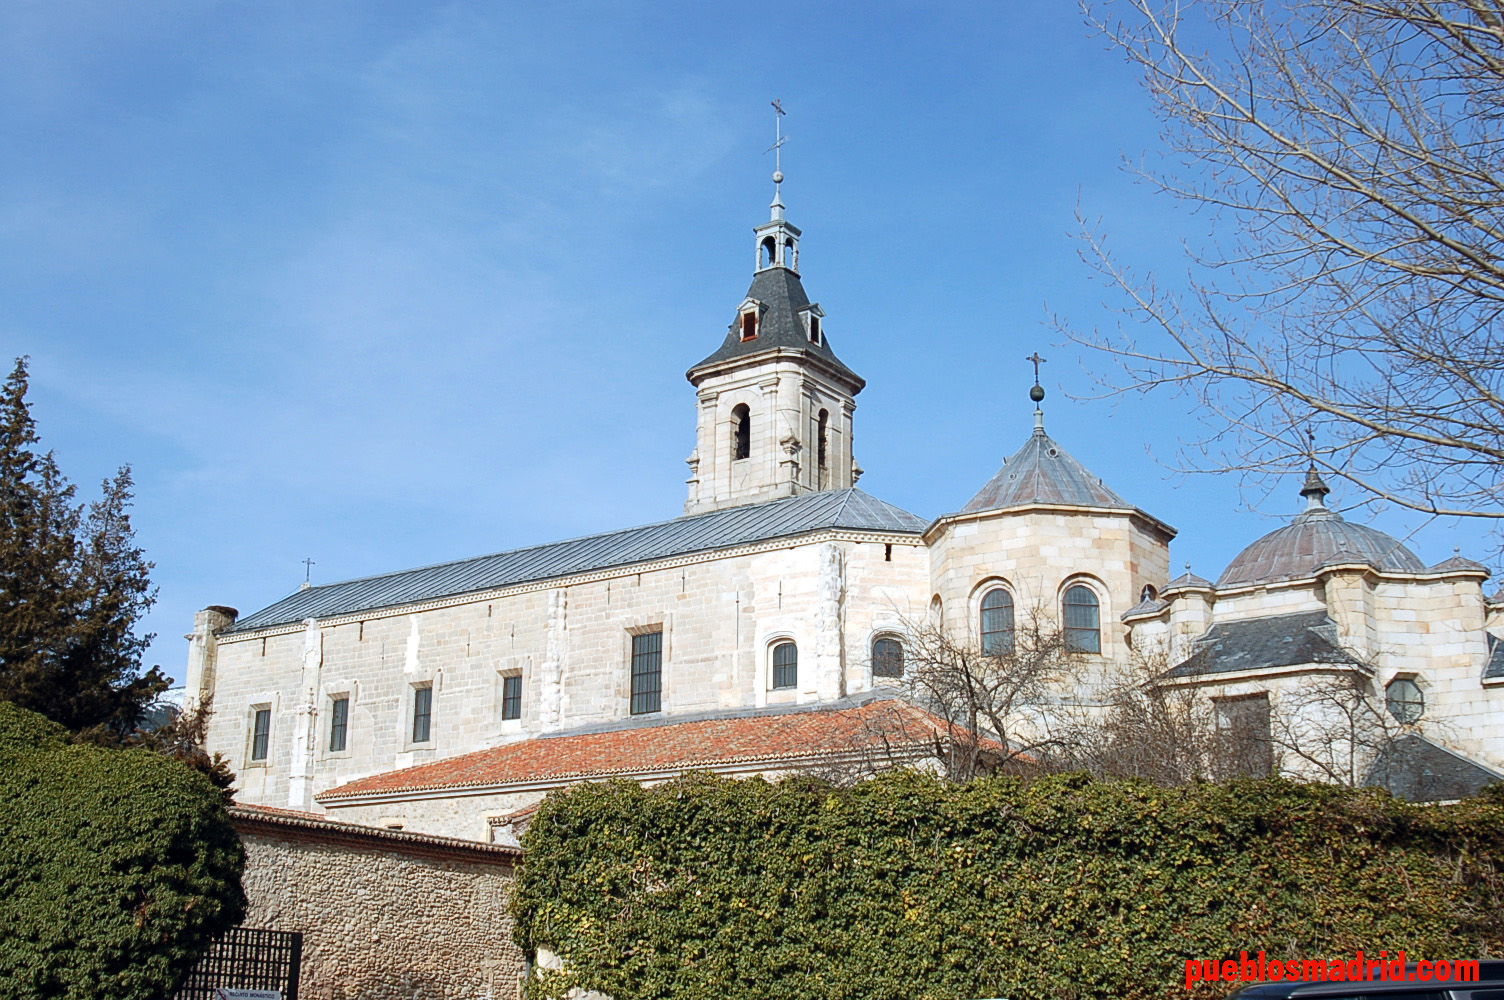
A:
[308, 565]
[1037, 393]
[1037, 362]
[778, 140]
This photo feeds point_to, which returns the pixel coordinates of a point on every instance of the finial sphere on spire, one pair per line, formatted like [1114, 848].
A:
[1037, 393]
[778, 177]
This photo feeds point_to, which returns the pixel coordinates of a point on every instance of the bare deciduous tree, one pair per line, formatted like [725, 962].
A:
[1147, 729]
[1334, 727]
[994, 702]
[1351, 155]
[982, 712]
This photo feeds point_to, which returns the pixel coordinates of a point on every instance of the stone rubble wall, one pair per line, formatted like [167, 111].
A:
[386, 922]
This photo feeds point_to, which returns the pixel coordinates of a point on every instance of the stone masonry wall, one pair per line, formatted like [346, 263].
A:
[384, 921]
[571, 645]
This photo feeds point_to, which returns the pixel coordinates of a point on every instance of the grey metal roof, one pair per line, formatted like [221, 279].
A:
[1318, 537]
[1264, 643]
[1495, 665]
[850, 508]
[1189, 579]
[1413, 767]
[781, 325]
[1148, 606]
[1043, 472]
[1459, 564]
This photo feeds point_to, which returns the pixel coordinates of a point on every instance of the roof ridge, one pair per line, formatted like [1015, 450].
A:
[565, 541]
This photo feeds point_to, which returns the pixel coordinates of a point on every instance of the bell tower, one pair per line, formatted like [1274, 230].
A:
[775, 404]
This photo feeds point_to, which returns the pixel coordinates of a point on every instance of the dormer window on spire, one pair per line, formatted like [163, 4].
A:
[749, 319]
[812, 317]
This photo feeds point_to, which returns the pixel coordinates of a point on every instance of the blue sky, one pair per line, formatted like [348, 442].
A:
[387, 284]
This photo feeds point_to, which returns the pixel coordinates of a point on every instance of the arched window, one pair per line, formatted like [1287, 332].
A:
[785, 665]
[741, 431]
[1083, 620]
[1405, 700]
[822, 433]
[1148, 593]
[769, 252]
[887, 657]
[997, 622]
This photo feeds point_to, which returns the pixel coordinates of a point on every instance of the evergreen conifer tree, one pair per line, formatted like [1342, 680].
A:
[73, 586]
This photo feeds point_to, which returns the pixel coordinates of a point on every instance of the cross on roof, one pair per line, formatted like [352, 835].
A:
[1037, 361]
[778, 137]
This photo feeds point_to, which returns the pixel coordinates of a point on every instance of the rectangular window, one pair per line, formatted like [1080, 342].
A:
[1245, 745]
[422, 714]
[339, 720]
[261, 733]
[647, 673]
[511, 696]
[785, 665]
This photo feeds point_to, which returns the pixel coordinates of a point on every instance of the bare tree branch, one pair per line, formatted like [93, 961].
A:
[1351, 155]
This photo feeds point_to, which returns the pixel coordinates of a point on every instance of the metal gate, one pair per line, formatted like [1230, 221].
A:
[247, 958]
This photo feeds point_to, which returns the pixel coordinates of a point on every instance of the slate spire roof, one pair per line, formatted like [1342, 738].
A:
[1043, 472]
[784, 317]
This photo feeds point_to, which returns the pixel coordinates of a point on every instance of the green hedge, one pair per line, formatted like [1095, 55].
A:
[117, 867]
[1058, 887]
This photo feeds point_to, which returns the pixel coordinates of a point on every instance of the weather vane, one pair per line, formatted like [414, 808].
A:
[778, 140]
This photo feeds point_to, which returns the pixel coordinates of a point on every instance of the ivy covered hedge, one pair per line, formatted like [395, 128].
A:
[909, 887]
[117, 867]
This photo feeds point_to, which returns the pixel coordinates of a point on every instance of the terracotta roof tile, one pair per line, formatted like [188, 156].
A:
[706, 743]
[244, 814]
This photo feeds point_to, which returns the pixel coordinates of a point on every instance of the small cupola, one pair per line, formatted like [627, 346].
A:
[777, 239]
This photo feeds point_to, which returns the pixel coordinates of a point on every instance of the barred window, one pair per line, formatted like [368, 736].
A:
[647, 673]
[511, 696]
[887, 657]
[422, 714]
[261, 733]
[339, 723]
[1083, 621]
[785, 665]
[997, 622]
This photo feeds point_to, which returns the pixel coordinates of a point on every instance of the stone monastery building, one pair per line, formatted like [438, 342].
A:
[762, 631]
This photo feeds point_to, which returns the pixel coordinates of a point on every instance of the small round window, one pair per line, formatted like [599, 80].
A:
[1404, 700]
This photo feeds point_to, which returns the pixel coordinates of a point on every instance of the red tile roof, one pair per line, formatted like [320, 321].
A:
[245, 816]
[790, 737]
